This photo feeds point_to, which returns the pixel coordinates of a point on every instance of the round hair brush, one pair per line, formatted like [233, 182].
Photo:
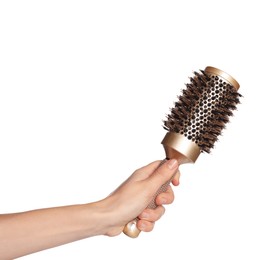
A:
[196, 121]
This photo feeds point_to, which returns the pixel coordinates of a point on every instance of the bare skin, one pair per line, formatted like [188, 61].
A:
[32, 231]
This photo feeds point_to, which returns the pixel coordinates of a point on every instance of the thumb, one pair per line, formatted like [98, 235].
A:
[163, 173]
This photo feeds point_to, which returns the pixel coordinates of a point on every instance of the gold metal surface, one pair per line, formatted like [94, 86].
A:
[131, 229]
[177, 146]
[224, 75]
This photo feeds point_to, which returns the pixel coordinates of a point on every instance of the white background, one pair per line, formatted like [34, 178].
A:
[84, 87]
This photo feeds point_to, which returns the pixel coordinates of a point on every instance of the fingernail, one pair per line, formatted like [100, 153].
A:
[142, 226]
[176, 182]
[144, 215]
[163, 201]
[172, 164]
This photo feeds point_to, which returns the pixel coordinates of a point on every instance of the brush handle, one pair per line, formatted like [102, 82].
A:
[131, 229]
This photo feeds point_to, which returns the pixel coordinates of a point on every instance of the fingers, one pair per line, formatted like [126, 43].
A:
[148, 217]
[176, 178]
[152, 215]
[166, 197]
[145, 225]
[164, 173]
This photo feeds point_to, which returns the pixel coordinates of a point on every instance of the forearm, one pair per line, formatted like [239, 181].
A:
[32, 231]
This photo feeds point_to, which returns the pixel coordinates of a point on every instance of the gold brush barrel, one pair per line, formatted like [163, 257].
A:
[195, 122]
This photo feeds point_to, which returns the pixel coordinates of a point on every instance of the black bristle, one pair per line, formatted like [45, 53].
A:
[207, 77]
[203, 109]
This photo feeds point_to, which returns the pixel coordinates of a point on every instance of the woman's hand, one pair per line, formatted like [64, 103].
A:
[131, 198]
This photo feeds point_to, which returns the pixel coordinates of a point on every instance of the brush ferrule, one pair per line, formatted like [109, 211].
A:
[179, 147]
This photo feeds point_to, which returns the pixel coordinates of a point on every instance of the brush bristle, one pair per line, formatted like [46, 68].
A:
[203, 109]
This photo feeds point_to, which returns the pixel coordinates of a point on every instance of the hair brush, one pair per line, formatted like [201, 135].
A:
[196, 121]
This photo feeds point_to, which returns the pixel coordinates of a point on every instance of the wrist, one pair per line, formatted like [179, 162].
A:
[97, 218]
[106, 220]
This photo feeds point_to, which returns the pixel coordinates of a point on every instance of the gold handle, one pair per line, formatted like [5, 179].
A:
[131, 229]
[177, 147]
